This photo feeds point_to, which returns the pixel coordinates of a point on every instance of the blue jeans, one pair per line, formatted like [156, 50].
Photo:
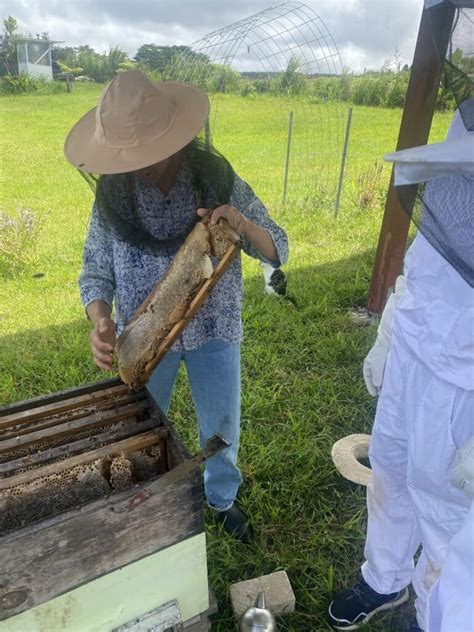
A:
[214, 377]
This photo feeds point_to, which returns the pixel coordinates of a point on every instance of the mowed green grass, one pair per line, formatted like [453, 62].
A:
[301, 365]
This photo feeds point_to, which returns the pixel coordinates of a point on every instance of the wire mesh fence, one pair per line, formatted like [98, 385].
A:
[279, 48]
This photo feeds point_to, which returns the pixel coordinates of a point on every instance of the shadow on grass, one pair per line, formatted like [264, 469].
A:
[302, 389]
[42, 360]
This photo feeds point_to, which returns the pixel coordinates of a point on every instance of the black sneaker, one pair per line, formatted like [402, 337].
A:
[355, 606]
[236, 523]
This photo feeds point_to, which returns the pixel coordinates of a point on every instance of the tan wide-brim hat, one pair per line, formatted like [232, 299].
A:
[136, 123]
[347, 454]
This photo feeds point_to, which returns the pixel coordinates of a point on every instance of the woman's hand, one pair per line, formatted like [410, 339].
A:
[236, 219]
[258, 237]
[102, 339]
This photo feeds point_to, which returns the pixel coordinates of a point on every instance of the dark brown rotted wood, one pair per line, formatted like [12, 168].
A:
[83, 445]
[176, 451]
[70, 404]
[125, 446]
[78, 425]
[415, 127]
[163, 459]
[54, 556]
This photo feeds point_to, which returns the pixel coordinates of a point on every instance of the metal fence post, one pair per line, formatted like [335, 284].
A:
[288, 148]
[343, 162]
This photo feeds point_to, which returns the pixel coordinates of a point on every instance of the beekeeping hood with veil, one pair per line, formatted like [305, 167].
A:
[435, 183]
[434, 316]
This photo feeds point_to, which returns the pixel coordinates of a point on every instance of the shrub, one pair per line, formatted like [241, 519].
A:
[223, 79]
[370, 187]
[154, 75]
[11, 84]
[344, 87]
[371, 90]
[322, 88]
[331, 88]
[247, 89]
[23, 84]
[446, 100]
[397, 91]
[262, 85]
[49, 87]
[360, 90]
[18, 238]
[376, 92]
[291, 81]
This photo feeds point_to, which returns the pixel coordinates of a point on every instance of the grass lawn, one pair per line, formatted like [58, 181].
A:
[302, 380]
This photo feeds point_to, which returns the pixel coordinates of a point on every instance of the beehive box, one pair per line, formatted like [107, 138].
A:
[88, 539]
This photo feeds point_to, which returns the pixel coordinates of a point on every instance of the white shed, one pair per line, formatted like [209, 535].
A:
[34, 57]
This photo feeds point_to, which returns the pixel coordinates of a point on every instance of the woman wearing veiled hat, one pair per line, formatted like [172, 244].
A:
[156, 180]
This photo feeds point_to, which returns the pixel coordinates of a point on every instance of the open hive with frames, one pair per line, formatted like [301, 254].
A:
[88, 492]
[59, 455]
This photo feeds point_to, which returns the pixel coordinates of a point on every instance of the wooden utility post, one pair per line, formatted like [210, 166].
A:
[415, 127]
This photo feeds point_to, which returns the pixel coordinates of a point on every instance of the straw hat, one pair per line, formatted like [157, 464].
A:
[346, 454]
[136, 123]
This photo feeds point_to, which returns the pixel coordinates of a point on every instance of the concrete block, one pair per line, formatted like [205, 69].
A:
[278, 593]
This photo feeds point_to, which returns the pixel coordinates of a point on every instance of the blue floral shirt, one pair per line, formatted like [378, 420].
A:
[123, 275]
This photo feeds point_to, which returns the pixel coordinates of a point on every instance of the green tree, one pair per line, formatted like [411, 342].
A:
[453, 88]
[8, 39]
[10, 25]
[85, 60]
[223, 79]
[163, 58]
[292, 81]
[397, 91]
[463, 62]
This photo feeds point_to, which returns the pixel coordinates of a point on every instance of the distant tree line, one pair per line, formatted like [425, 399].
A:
[386, 87]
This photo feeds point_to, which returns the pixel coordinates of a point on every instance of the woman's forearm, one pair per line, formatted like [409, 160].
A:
[98, 309]
[261, 239]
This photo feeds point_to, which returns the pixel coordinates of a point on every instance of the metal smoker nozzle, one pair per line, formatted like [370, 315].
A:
[258, 618]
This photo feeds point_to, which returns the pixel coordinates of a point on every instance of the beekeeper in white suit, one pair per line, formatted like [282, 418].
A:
[422, 446]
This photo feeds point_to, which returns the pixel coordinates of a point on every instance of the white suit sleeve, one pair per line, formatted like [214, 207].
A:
[374, 363]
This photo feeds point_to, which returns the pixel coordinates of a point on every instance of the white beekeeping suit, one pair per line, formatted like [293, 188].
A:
[425, 413]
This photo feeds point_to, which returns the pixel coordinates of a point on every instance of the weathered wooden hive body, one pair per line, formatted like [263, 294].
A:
[95, 530]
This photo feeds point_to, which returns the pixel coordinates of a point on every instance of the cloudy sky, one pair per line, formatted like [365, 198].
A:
[366, 32]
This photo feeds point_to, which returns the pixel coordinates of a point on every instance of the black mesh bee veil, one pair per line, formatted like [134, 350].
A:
[458, 73]
[115, 195]
[443, 213]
